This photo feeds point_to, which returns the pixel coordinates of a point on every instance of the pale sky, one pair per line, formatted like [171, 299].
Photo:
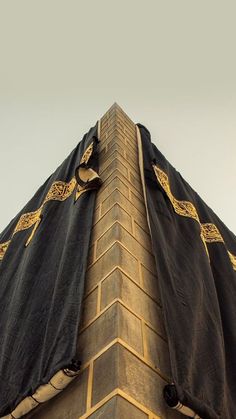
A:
[171, 65]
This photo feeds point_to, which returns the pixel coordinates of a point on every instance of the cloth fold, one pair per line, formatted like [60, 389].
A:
[43, 259]
[196, 264]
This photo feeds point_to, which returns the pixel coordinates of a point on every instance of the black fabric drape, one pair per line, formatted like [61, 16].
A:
[42, 284]
[197, 280]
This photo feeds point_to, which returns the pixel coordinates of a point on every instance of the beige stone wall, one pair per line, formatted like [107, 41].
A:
[122, 342]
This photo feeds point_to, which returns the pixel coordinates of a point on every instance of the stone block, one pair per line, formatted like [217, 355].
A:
[111, 288]
[99, 334]
[143, 236]
[115, 213]
[117, 173]
[126, 125]
[116, 155]
[124, 202]
[118, 408]
[96, 214]
[138, 202]
[115, 256]
[157, 351]
[105, 374]
[129, 329]
[135, 180]
[125, 160]
[118, 197]
[117, 232]
[141, 382]
[116, 163]
[113, 135]
[108, 187]
[133, 162]
[131, 375]
[108, 153]
[130, 143]
[89, 307]
[106, 411]
[115, 322]
[150, 283]
[118, 285]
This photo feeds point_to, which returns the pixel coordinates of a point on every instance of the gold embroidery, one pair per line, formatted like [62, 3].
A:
[59, 191]
[81, 190]
[87, 154]
[233, 259]
[3, 248]
[184, 208]
[32, 232]
[209, 233]
[28, 220]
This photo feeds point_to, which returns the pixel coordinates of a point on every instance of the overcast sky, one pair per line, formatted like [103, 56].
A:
[169, 64]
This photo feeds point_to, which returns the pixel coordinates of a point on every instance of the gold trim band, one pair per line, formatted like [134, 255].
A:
[209, 233]
[58, 191]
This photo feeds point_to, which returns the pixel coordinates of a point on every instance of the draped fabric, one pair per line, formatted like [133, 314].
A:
[43, 258]
[195, 257]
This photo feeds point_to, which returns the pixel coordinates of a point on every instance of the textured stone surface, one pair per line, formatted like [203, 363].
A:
[89, 307]
[105, 374]
[150, 283]
[118, 233]
[140, 382]
[118, 285]
[157, 351]
[118, 197]
[115, 322]
[116, 255]
[115, 213]
[131, 375]
[118, 407]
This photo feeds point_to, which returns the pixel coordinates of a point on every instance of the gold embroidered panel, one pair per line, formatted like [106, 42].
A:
[184, 208]
[209, 233]
[87, 154]
[28, 220]
[3, 248]
[58, 191]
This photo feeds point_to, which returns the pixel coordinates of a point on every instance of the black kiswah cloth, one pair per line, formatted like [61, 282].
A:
[195, 257]
[43, 259]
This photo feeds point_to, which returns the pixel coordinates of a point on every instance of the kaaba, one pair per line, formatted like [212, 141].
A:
[118, 289]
